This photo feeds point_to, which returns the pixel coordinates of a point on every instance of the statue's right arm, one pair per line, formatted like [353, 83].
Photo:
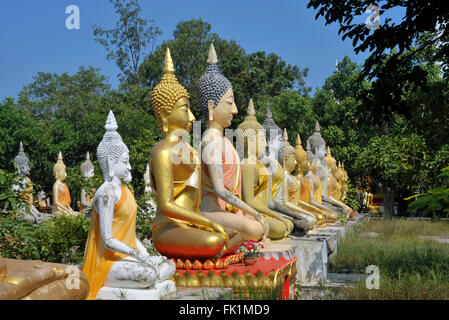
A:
[163, 177]
[105, 208]
[216, 176]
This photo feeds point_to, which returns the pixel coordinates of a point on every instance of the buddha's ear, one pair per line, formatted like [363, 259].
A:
[164, 125]
[211, 107]
[111, 166]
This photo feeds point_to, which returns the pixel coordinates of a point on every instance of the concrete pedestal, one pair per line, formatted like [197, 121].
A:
[163, 290]
[311, 265]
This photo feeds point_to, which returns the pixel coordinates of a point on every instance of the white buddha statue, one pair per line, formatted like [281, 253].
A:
[87, 170]
[116, 263]
[29, 213]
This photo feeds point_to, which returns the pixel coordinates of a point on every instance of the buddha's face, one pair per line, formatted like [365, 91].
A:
[224, 112]
[289, 163]
[61, 174]
[122, 168]
[180, 118]
[276, 143]
[302, 165]
[261, 144]
[89, 173]
[321, 152]
[23, 168]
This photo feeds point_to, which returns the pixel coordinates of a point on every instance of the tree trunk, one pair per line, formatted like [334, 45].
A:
[388, 201]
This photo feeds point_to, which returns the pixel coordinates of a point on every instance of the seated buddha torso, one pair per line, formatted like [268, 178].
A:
[186, 179]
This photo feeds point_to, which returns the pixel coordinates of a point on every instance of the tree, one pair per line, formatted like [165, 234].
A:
[126, 44]
[395, 163]
[419, 17]
[251, 75]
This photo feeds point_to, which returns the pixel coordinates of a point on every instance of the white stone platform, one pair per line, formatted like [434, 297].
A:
[160, 291]
[311, 265]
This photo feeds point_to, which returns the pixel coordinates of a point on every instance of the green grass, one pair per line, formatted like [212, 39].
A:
[411, 267]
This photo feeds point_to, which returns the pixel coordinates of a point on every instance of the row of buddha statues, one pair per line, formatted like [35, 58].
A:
[206, 206]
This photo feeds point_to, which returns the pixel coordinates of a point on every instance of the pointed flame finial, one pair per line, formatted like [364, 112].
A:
[251, 110]
[212, 56]
[298, 140]
[21, 147]
[111, 123]
[168, 63]
[60, 155]
[269, 113]
[87, 156]
[285, 135]
[317, 127]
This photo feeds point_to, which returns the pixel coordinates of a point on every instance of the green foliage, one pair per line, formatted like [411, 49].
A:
[126, 43]
[411, 267]
[351, 198]
[60, 240]
[9, 199]
[435, 200]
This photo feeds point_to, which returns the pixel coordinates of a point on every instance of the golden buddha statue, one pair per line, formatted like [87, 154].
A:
[317, 146]
[255, 177]
[292, 189]
[180, 229]
[305, 194]
[220, 163]
[37, 280]
[334, 186]
[61, 194]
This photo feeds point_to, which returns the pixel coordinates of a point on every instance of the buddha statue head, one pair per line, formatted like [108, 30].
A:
[251, 135]
[170, 101]
[215, 94]
[302, 164]
[331, 162]
[59, 169]
[273, 132]
[317, 143]
[113, 154]
[87, 167]
[22, 162]
[287, 155]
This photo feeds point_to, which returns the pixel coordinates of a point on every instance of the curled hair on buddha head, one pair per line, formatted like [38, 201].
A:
[21, 157]
[270, 126]
[315, 139]
[165, 95]
[248, 130]
[286, 150]
[111, 146]
[212, 85]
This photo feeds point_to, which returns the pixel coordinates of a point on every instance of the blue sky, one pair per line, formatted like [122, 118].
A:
[34, 38]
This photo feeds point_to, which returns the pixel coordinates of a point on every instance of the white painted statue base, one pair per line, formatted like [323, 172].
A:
[163, 290]
[311, 265]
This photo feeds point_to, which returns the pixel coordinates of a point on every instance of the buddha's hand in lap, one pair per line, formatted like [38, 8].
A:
[164, 267]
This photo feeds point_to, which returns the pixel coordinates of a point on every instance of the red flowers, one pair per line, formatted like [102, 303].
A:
[250, 248]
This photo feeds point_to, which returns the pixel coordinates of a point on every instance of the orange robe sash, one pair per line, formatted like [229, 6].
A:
[231, 177]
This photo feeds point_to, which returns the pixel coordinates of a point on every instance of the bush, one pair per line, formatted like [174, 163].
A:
[60, 240]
